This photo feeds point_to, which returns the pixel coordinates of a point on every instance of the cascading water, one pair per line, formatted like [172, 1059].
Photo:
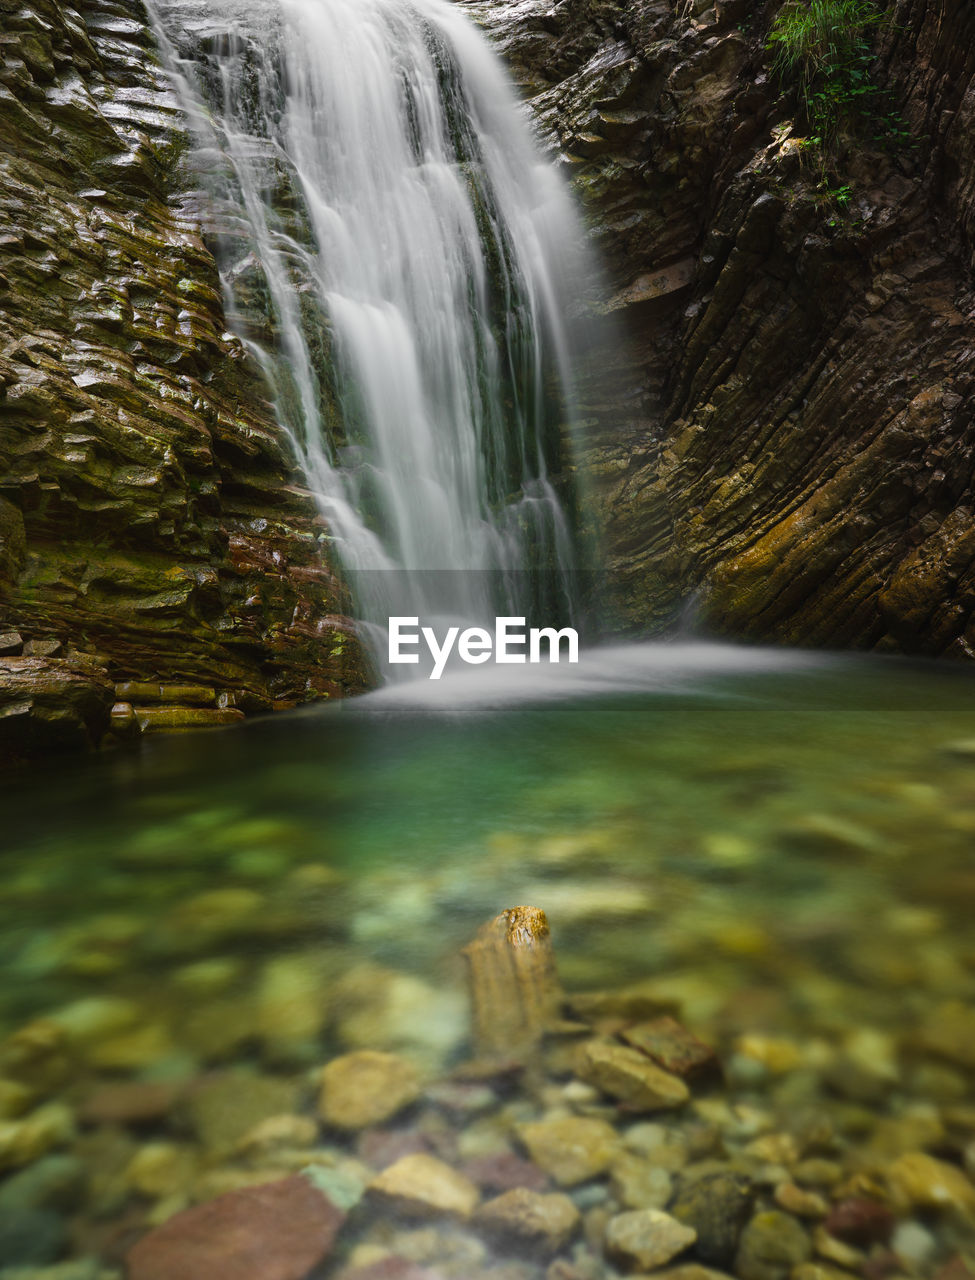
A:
[399, 260]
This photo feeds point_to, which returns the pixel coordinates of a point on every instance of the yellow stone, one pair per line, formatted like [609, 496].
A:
[776, 1054]
[365, 1088]
[917, 1179]
[423, 1186]
[162, 1169]
[571, 1148]
[630, 1076]
[24, 1141]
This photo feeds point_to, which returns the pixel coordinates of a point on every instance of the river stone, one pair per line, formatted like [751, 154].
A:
[215, 915]
[30, 1237]
[290, 1007]
[24, 1141]
[949, 1033]
[15, 1099]
[646, 1238]
[919, 1180]
[529, 1219]
[365, 1088]
[224, 1108]
[54, 1182]
[278, 1231]
[674, 1048]
[957, 1268]
[129, 1102]
[638, 1183]
[630, 1076]
[865, 1069]
[860, 1222]
[379, 1008]
[505, 1172]
[391, 1267]
[824, 1271]
[771, 1245]
[691, 1271]
[570, 1149]
[717, 1206]
[343, 1183]
[380, 1148]
[279, 1133]
[423, 1186]
[82, 1269]
[800, 1202]
[161, 1169]
[641, 1000]
[96, 1018]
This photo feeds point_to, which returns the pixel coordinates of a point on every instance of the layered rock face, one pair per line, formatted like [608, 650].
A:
[800, 467]
[153, 528]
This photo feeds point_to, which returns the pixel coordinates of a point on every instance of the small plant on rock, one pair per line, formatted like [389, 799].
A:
[823, 47]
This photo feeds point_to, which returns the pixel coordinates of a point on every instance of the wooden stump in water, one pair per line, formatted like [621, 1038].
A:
[514, 988]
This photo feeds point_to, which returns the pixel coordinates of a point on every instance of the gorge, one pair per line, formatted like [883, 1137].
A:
[791, 465]
[655, 961]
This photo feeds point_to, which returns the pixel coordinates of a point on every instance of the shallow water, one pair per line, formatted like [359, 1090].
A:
[782, 843]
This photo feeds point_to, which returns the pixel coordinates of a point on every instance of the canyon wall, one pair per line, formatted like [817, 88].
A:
[799, 466]
[156, 543]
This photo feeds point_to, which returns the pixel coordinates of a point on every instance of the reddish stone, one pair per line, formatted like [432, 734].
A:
[129, 1102]
[673, 1047]
[860, 1222]
[956, 1268]
[277, 1231]
[380, 1148]
[505, 1173]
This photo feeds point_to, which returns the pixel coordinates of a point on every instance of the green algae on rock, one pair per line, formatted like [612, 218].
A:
[151, 516]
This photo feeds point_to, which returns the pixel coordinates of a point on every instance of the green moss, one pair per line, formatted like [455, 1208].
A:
[823, 48]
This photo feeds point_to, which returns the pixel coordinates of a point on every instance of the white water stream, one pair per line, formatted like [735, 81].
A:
[400, 260]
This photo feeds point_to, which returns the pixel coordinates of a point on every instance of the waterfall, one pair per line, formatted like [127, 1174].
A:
[400, 261]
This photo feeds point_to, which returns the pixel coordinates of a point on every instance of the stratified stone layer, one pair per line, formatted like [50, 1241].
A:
[150, 513]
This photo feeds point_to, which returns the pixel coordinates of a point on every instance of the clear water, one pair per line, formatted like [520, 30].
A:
[780, 844]
[726, 789]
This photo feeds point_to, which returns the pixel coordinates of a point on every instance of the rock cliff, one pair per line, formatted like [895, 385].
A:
[153, 529]
[800, 466]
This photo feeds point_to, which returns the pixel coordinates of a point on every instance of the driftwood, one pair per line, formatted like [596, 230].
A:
[514, 988]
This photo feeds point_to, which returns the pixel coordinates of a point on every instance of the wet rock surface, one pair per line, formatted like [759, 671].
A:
[151, 518]
[524, 1221]
[570, 1149]
[423, 1186]
[645, 1239]
[716, 1205]
[274, 1232]
[794, 462]
[51, 704]
[627, 1075]
[367, 1088]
